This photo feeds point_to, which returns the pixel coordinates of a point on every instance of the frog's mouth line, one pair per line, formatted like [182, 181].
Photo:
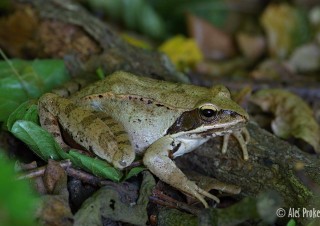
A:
[214, 130]
[221, 131]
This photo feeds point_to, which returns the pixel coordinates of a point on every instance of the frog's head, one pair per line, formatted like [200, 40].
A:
[211, 116]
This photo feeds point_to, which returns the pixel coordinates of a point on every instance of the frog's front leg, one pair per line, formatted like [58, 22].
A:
[243, 138]
[157, 160]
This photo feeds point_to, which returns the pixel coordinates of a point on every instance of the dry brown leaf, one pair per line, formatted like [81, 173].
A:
[251, 46]
[117, 202]
[218, 68]
[271, 69]
[54, 209]
[55, 178]
[306, 58]
[17, 31]
[242, 96]
[214, 43]
[293, 116]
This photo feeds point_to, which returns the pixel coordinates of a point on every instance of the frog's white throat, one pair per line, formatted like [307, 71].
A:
[185, 142]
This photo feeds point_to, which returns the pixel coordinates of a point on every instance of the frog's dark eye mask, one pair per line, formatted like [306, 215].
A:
[204, 116]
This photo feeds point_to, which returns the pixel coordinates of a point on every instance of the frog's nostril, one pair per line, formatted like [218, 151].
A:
[231, 113]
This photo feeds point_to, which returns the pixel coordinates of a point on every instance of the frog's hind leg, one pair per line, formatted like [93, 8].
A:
[50, 123]
[157, 160]
[125, 154]
[95, 131]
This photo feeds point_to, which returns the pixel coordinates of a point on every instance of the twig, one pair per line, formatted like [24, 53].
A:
[37, 172]
[84, 176]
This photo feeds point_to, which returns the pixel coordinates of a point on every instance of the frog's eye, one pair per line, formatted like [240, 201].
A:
[207, 112]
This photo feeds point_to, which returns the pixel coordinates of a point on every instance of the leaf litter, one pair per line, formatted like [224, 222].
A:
[293, 116]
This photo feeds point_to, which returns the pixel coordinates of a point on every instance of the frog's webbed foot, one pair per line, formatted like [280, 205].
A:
[157, 160]
[243, 138]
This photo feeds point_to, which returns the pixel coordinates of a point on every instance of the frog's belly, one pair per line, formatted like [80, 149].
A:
[143, 134]
[145, 123]
[141, 139]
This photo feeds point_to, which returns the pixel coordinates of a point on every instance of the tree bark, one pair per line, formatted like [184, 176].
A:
[116, 53]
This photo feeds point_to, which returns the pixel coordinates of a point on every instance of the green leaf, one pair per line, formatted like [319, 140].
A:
[96, 166]
[218, 12]
[100, 73]
[134, 171]
[7, 106]
[149, 22]
[22, 123]
[291, 222]
[21, 80]
[27, 111]
[38, 140]
[43, 144]
[137, 15]
[5, 5]
[2, 151]
[17, 201]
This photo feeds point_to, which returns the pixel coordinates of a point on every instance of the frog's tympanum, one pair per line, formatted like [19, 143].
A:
[124, 115]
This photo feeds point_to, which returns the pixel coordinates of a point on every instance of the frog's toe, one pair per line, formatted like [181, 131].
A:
[198, 192]
[246, 135]
[123, 159]
[225, 143]
[242, 140]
